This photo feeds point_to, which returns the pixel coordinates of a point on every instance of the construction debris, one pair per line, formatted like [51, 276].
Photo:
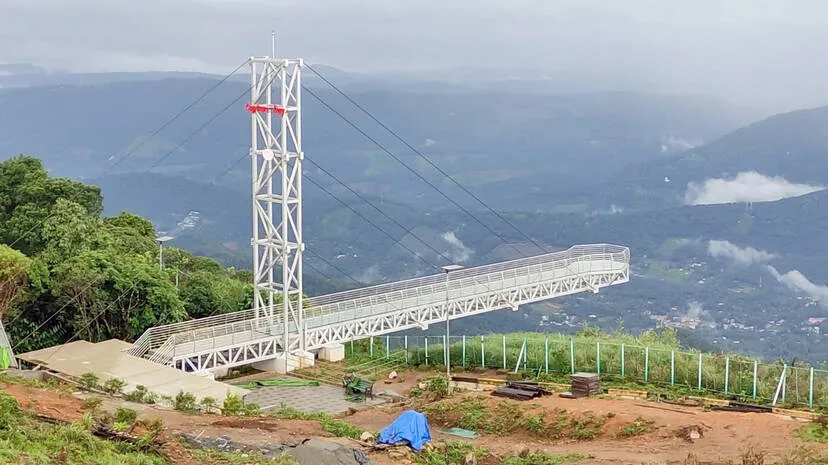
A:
[741, 407]
[690, 432]
[520, 390]
[586, 384]
[463, 433]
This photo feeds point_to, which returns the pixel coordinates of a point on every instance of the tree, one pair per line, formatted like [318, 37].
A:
[127, 295]
[14, 276]
[73, 274]
[27, 197]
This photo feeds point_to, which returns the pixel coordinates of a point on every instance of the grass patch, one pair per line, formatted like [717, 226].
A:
[338, 428]
[49, 385]
[637, 428]
[25, 440]
[473, 413]
[752, 456]
[506, 417]
[448, 453]
[235, 458]
[542, 458]
[813, 432]
[586, 428]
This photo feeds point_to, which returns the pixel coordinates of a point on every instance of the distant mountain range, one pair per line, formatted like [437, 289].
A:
[512, 149]
[664, 175]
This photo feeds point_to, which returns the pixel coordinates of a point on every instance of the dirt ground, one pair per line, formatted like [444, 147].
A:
[725, 434]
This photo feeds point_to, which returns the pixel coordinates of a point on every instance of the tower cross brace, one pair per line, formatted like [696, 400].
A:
[276, 156]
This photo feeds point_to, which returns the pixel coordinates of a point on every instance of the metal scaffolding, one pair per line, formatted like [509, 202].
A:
[276, 155]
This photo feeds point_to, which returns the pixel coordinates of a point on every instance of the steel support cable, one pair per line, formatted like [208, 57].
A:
[412, 170]
[327, 262]
[372, 205]
[93, 283]
[178, 115]
[199, 129]
[155, 133]
[95, 318]
[108, 307]
[428, 160]
[423, 259]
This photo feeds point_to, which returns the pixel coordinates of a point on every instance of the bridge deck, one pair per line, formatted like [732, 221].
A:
[242, 337]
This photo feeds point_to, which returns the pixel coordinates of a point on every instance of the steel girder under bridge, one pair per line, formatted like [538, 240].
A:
[241, 338]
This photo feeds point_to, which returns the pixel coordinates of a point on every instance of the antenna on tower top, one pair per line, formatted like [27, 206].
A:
[273, 44]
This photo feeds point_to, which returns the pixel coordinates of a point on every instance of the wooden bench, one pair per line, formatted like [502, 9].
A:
[354, 384]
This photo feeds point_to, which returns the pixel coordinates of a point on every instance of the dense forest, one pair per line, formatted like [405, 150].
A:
[67, 272]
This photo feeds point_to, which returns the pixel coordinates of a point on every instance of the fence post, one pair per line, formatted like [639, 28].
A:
[371, 352]
[811, 389]
[623, 367]
[387, 347]
[727, 373]
[755, 375]
[546, 355]
[464, 351]
[646, 364]
[525, 354]
[504, 352]
[572, 355]
[700, 371]
[352, 347]
[598, 357]
[405, 344]
[784, 381]
[426, 350]
[445, 351]
[672, 368]
[482, 352]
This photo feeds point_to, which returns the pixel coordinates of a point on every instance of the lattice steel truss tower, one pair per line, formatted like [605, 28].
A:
[276, 153]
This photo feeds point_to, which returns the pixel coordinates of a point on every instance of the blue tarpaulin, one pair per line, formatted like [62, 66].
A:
[411, 426]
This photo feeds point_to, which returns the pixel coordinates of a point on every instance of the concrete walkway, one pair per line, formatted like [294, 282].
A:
[107, 360]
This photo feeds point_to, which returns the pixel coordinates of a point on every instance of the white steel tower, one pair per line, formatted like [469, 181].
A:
[276, 153]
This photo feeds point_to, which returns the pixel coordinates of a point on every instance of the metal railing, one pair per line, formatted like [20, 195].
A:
[162, 341]
[658, 365]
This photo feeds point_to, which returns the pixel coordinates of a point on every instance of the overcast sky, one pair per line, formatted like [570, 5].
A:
[759, 52]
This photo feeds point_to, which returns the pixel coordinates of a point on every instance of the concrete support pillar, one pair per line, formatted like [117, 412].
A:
[332, 352]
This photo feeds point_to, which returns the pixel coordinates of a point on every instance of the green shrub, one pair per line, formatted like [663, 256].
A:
[251, 410]
[184, 402]
[536, 424]
[448, 453]
[437, 386]
[90, 381]
[121, 426]
[207, 404]
[233, 405]
[339, 428]
[114, 386]
[141, 395]
[92, 403]
[637, 428]
[9, 411]
[125, 415]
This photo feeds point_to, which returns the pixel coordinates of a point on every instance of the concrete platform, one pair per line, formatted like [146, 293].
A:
[107, 360]
[313, 399]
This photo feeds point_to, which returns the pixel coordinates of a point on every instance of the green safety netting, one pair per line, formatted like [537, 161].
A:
[277, 382]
